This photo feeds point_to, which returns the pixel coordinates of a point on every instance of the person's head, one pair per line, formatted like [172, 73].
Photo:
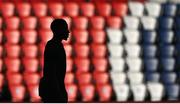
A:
[60, 29]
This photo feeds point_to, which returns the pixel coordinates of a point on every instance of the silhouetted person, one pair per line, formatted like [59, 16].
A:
[51, 87]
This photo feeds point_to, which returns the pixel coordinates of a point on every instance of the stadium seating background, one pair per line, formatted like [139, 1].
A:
[119, 50]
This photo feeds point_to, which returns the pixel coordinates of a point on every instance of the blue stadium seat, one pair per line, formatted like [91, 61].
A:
[152, 76]
[172, 91]
[168, 77]
[166, 36]
[151, 64]
[149, 51]
[168, 64]
[148, 36]
[165, 22]
[167, 51]
[169, 9]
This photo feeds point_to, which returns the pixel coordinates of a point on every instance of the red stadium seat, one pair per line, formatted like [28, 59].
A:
[14, 79]
[101, 77]
[34, 94]
[120, 8]
[45, 35]
[31, 78]
[1, 81]
[103, 9]
[45, 22]
[100, 64]
[17, 93]
[29, 36]
[12, 22]
[12, 64]
[30, 51]
[39, 9]
[80, 22]
[81, 50]
[30, 64]
[87, 9]
[82, 65]
[12, 36]
[68, 49]
[97, 22]
[98, 50]
[23, 9]
[1, 51]
[84, 78]
[98, 36]
[29, 22]
[69, 66]
[72, 90]
[71, 9]
[1, 22]
[105, 92]
[1, 65]
[69, 78]
[7, 9]
[12, 50]
[56, 9]
[114, 22]
[87, 92]
[81, 36]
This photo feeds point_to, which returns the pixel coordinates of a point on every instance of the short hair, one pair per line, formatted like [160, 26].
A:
[59, 25]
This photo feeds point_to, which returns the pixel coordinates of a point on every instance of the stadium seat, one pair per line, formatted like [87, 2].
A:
[103, 9]
[1, 22]
[68, 50]
[87, 9]
[30, 64]
[69, 63]
[148, 23]
[132, 36]
[117, 64]
[169, 9]
[97, 36]
[167, 50]
[29, 22]
[23, 9]
[29, 36]
[17, 93]
[165, 23]
[118, 78]
[152, 76]
[80, 35]
[153, 9]
[12, 22]
[69, 78]
[80, 22]
[134, 64]
[101, 78]
[135, 77]
[45, 22]
[149, 37]
[71, 9]
[34, 94]
[132, 50]
[1, 81]
[139, 92]
[12, 36]
[172, 91]
[1, 65]
[81, 50]
[97, 22]
[136, 8]
[114, 22]
[14, 79]
[45, 35]
[100, 64]
[115, 50]
[166, 36]
[84, 78]
[156, 91]
[39, 9]
[72, 91]
[122, 92]
[82, 65]
[168, 78]
[131, 22]
[98, 50]
[115, 36]
[30, 51]
[7, 9]
[149, 51]
[123, 7]
[105, 92]
[56, 9]
[12, 64]
[151, 64]
[31, 78]
[87, 92]
[12, 50]
[168, 64]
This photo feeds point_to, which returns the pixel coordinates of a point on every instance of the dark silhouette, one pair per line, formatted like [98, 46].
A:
[51, 87]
